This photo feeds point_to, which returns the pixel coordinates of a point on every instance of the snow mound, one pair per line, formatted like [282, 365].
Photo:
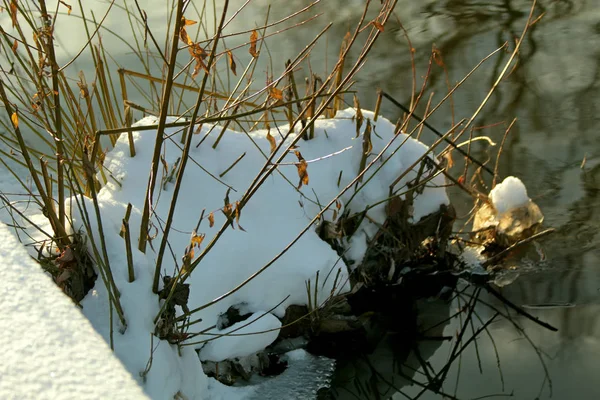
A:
[249, 340]
[272, 218]
[509, 194]
[49, 349]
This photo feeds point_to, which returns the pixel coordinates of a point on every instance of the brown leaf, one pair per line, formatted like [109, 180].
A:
[378, 26]
[272, 142]
[253, 39]
[198, 53]
[231, 62]
[14, 46]
[13, 12]
[302, 172]
[276, 93]
[15, 120]
[183, 36]
[359, 115]
[211, 220]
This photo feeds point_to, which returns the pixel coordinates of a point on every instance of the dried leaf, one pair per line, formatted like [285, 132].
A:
[272, 142]
[187, 22]
[13, 12]
[211, 220]
[238, 212]
[183, 36]
[302, 172]
[198, 53]
[15, 120]
[378, 26]
[276, 93]
[14, 46]
[197, 239]
[437, 57]
[359, 115]
[231, 62]
[69, 8]
[253, 39]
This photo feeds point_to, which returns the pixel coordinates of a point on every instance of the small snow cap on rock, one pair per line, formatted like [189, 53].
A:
[508, 195]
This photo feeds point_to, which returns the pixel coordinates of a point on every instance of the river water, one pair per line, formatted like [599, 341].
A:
[554, 147]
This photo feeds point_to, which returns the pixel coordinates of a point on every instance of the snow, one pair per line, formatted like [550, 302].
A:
[244, 339]
[272, 219]
[508, 195]
[49, 349]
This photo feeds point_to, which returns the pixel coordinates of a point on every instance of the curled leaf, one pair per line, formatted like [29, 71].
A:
[211, 220]
[253, 39]
[272, 142]
[14, 46]
[231, 62]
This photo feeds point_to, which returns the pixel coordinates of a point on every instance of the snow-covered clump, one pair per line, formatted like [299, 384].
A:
[49, 349]
[241, 340]
[274, 216]
[509, 216]
[509, 194]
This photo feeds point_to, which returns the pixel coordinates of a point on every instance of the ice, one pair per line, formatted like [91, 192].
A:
[508, 195]
[304, 376]
[249, 340]
[49, 349]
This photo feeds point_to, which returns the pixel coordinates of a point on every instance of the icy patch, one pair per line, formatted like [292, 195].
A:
[509, 194]
[244, 340]
[302, 379]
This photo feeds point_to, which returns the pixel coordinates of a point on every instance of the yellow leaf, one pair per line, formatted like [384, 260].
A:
[187, 22]
[211, 219]
[197, 239]
[15, 120]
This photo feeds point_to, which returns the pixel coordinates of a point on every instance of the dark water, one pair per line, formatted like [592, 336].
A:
[554, 94]
[554, 147]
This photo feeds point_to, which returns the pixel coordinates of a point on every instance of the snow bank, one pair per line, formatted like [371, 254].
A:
[509, 194]
[249, 342]
[49, 349]
[271, 220]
